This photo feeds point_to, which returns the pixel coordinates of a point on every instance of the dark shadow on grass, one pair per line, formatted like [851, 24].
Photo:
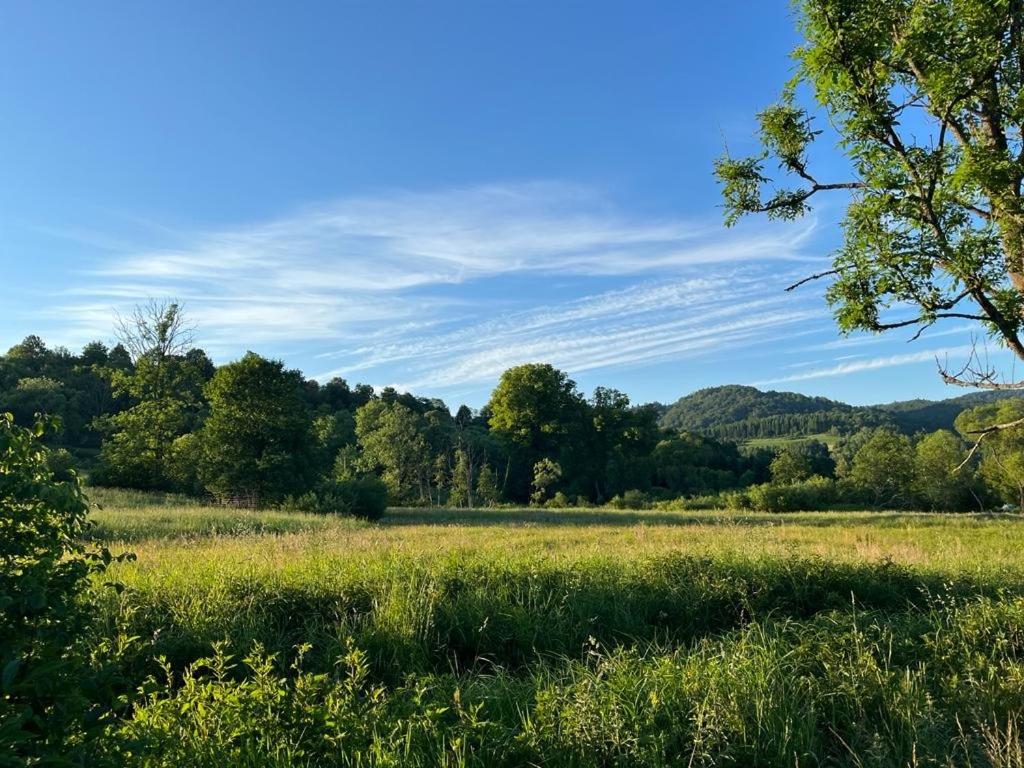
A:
[625, 518]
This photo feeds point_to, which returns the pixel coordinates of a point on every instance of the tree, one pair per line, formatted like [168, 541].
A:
[546, 473]
[1002, 451]
[939, 479]
[534, 410]
[333, 432]
[164, 388]
[612, 453]
[158, 328]
[926, 98]
[257, 442]
[487, 486]
[461, 490]
[789, 466]
[392, 442]
[883, 469]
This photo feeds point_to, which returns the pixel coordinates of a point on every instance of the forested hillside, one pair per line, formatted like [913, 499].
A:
[741, 413]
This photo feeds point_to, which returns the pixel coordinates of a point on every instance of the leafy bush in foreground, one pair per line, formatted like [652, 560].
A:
[47, 689]
[840, 689]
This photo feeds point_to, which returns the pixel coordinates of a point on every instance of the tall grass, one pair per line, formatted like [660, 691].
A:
[578, 638]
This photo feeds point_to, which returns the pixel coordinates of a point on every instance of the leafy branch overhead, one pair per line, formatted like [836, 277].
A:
[925, 96]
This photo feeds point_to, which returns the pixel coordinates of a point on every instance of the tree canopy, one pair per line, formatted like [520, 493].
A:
[925, 96]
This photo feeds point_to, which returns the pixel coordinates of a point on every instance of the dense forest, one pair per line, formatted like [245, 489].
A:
[155, 413]
[741, 413]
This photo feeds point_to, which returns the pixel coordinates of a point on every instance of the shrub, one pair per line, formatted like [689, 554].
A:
[46, 685]
[631, 499]
[810, 494]
[61, 464]
[365, 496]
[558, 501]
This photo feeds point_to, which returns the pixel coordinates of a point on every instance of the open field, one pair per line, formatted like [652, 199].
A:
[577, 637]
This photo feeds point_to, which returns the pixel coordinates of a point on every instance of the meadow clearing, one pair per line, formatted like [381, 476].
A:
[585, 637]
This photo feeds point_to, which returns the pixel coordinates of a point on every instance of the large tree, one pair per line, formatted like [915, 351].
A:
[535, 410]
[257, 442]
[163, 389]
[393, 442]
[926, 98]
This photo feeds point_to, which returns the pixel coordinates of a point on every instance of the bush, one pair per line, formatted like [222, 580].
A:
[365, 497]
[810, 494]
[631, 499]
[46, 686]
[61, 464]
[558, 501]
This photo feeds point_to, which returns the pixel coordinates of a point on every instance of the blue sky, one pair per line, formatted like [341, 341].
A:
[422, 194]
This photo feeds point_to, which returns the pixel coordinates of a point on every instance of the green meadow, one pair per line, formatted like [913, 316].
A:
[579, 637]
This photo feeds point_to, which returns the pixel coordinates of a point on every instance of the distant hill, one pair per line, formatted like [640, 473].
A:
[740, 413]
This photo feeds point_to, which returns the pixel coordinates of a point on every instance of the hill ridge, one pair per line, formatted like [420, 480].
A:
[743, 412]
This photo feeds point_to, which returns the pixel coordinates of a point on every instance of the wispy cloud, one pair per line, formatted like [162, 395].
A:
[643, 324]
[381, 270]
[844, 369]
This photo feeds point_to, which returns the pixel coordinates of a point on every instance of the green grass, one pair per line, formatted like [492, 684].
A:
[564, 638]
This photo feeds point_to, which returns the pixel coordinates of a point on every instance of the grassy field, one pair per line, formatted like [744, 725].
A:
[564, 638]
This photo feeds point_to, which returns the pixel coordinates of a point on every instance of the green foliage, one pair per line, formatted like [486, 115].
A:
[807, 494]
[1002, 452]
[538, 413]
[546, 473]
[393, 441]
[882, 472]
[688, 464]
[257, 440]
[939, 479]
[631, 499]
[166, 402]
[45, 685]
[365, 497]
[462, 481]
[35, 379]
[487, 492]
[742, 413]
[926, 99]
[790, 466]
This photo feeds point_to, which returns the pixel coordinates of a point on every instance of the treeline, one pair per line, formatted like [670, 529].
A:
[882, 468]
[155, 413]
[798, 424]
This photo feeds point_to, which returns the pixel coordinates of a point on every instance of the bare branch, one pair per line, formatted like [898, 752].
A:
[813, 277]
[982, 434]
[977, 375]
[158, 327]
